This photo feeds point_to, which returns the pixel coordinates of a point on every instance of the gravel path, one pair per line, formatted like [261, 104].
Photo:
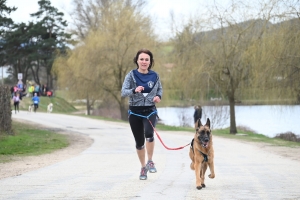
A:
[109, 168]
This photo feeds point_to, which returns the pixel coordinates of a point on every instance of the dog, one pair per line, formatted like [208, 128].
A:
[30, 108]
[50, 108]
[202, 153]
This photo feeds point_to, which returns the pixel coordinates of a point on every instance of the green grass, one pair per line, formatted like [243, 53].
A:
[59, 104]
[29, 140]
[255, 137]
[173, 128]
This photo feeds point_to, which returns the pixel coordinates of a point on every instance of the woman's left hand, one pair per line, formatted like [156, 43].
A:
[156, 99]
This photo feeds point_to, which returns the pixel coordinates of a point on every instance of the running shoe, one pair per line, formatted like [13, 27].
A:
[143, 175]
[150, 166]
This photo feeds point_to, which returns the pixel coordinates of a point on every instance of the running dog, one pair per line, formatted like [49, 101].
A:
[50, 108]
[202, 153]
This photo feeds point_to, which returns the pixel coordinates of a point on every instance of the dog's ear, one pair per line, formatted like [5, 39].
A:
[207, 123]
[198, 124]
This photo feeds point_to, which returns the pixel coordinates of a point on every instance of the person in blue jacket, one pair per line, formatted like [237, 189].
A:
[36, 101]
[143, 87]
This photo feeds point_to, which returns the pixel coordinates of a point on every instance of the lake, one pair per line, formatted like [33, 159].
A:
[264, 119]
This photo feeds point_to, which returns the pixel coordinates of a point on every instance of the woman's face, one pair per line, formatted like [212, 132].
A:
[143, 61]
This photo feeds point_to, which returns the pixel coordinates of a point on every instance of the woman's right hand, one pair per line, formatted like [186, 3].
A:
[139, 89]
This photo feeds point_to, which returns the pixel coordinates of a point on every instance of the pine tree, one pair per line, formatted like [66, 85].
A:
[5, 24]
[19, 48]
[51, 36]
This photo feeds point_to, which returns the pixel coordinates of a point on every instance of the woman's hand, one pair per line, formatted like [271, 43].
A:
[156, 99]
[139, 89]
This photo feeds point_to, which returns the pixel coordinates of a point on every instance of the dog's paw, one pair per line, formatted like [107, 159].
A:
[211, 176]
[203, 185]
[199, 187]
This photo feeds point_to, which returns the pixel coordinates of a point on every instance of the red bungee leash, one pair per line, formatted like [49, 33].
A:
[178, 148]
[147, 117]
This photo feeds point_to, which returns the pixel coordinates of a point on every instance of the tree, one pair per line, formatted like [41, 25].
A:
[105, 56]
[284, 73]
[5, 111]
[51, 37]
[5, 25]
[18, 48]
[224, 46]
[5, 22]
[31, 48]
[88, 15]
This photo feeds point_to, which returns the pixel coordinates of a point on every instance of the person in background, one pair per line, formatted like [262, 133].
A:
[20, 85]
[24, 90]
[143, 87]
[197, 113]
[44, 90]
[49, 93]
[16, 89]
[16, 100]
[30, 90]
[37, 89]
[36, 101]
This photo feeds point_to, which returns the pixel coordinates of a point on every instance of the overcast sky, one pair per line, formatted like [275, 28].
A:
[158, 9]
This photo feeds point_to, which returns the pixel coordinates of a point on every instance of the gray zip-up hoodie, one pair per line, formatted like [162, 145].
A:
[138, 99]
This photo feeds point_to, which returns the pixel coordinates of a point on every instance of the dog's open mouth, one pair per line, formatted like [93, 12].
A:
[204, 144]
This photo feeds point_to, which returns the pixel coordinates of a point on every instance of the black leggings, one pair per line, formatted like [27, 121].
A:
[141, 128]
[36, 106]
[16, 104]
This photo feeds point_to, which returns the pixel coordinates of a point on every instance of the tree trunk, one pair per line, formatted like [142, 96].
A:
[51, 82]
[5, 111]
[88, 105]
[124, 109]
[233, 129]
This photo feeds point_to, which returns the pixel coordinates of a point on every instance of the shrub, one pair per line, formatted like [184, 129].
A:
[289, 136]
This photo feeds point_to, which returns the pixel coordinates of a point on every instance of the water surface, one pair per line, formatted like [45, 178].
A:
[267, 120]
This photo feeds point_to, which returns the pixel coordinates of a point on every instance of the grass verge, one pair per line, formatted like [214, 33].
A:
[255, 137]
[59, 105]
[243, 134]
[30, 140]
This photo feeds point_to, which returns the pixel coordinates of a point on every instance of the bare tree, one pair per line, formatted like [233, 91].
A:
[88, 15]
[219, 48]
[106, 54]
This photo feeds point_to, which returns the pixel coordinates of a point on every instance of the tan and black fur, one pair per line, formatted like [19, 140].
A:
[202, 153]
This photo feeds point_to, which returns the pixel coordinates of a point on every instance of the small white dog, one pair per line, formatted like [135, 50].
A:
[30, 108]
[49, 108]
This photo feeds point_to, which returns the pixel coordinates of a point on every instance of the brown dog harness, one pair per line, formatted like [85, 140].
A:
[203, 154]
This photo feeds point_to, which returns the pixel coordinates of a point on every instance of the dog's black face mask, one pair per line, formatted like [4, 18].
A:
[203, 132]
[204, 137]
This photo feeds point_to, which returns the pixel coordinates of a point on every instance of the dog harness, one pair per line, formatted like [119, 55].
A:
[203, 154]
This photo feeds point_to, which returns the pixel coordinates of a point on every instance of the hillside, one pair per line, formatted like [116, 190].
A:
[59, 105]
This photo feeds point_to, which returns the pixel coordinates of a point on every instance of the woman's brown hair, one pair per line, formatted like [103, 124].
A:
[146, 51]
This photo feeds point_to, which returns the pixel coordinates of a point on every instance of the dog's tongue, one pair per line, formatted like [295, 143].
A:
[205, 144]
